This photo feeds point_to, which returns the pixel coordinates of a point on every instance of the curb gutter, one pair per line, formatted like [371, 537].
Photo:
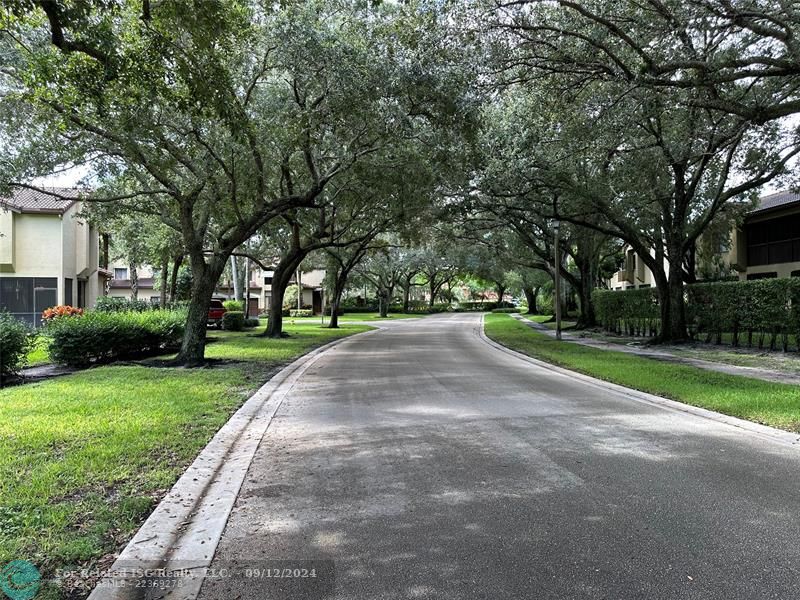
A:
[182, 533]
[762, 431]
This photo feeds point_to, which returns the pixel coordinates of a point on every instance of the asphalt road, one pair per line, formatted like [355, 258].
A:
[420, 462]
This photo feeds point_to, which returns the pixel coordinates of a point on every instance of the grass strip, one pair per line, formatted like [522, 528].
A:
[85, 458]
[774, 404]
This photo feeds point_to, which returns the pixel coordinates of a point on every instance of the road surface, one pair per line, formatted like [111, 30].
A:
[420, 462]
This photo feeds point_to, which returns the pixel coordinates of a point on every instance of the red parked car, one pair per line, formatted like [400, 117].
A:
[215, 312]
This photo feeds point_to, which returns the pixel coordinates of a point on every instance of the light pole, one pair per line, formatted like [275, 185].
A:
[557, 277]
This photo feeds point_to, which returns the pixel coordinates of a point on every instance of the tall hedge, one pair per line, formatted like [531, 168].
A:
[98, 337]
[632, 312]
[752, 313]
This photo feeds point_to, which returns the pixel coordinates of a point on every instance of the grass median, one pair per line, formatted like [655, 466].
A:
[84, 458]
[774, 404]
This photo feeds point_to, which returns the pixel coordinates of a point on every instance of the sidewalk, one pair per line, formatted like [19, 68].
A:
[663, 355]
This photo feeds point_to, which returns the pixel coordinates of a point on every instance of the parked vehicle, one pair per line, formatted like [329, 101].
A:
[215, 312]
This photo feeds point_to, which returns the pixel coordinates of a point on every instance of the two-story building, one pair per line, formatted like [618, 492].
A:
[766, 245]
[260, 286]
[49, 255]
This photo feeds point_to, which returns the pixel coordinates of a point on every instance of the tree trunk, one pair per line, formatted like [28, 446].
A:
[162, 297]
[280, 281]
[237, 290]
[675, 331]
[246, 288]
[173, 282]
[585, 287]
[406, 296]
[204, 281]
[501, 291]
[588, 317]
[432, 299]
[134, 282]
[530, 297]
[338, 290]
[383, 294]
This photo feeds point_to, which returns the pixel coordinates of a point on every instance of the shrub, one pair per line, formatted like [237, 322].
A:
[762, 309]
[290, 297]
[251, 322]
[100, 336]
[16, 339]
[357, 302]
[61, 311]
[440, 307]
[505, 310]
[233, 320]
[633, 312]
[112, 304]
[233, 305]
[752, 312]
[482, 306]
[360, 309]
[301, 313]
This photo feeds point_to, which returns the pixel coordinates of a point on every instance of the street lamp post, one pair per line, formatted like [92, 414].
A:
[557, 277]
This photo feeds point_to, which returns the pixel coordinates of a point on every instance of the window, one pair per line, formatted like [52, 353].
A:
[644, 285]
[120, 273]
[27, 297]
[267, 280]
[795, 274]
[68, 298]
[754, 276]
[773, 241]
[81, 293]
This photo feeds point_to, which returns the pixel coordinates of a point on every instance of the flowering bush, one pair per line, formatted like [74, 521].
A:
[61, 311]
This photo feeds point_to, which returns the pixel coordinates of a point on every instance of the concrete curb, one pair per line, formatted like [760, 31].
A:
[183, 531]
[762, 431]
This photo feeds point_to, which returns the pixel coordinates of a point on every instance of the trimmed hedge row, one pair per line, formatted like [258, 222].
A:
[483, 306]
[15, 343]
[750, 312]
[99, 337]
[114, 304]
[629, 312]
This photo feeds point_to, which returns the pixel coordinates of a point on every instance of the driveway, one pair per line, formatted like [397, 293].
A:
[420, 462]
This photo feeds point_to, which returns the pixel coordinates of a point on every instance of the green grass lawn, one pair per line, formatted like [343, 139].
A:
[547, 322]
[38, 354]
[773, 404]
[84, 458]
[538, 318]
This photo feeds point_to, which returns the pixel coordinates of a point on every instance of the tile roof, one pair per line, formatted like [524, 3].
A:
[34, 201]
[776, 200]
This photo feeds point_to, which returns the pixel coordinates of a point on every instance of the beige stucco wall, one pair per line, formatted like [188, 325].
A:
[60, 246]
[68, 254]
[7, 230]
[37, 245]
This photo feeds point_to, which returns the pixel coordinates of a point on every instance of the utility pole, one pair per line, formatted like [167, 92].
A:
[557, 278]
